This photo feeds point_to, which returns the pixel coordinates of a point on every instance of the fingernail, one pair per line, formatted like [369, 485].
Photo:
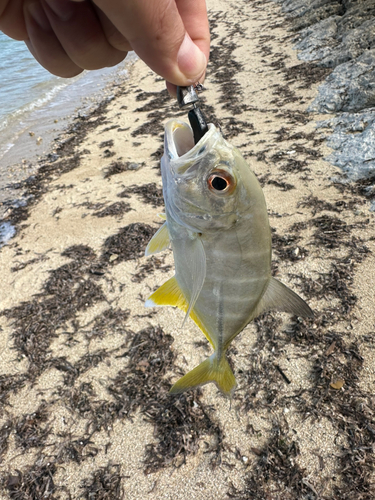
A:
[36, 11]
[64, 9]
[191, 60]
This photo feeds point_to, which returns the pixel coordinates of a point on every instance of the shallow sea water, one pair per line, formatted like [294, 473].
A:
[35, 108]
[35, 105]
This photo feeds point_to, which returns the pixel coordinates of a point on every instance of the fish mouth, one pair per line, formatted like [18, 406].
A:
[179, 143]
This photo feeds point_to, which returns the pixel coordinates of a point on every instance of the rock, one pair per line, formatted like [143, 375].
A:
[353, 143]
[317, 41]
[134, 166]
[305, 13]
[354, 43]
[325, 44]
[350, 87]
[341, 35]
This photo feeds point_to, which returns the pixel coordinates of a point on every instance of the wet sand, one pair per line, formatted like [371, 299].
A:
[86, 369]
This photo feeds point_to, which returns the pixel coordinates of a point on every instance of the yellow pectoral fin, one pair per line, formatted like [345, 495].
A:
[170, 294]
[159, 242]
[211, 370]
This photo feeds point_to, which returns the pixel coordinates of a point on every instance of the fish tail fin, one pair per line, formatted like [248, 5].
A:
[210, 370]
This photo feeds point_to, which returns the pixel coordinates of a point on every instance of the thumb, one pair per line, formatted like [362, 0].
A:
[167, 42]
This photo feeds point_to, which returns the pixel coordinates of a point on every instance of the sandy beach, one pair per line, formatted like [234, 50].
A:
[85, 369]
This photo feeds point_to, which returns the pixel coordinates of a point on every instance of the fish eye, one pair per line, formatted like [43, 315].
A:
[220, 182]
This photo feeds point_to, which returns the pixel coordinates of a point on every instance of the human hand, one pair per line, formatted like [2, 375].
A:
[68, 36]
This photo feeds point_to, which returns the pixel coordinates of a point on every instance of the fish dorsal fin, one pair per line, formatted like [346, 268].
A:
[170, 294]
[159, 242]
[196, 260]
[281, 298]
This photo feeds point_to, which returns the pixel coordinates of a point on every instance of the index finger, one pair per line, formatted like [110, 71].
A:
[171, 37]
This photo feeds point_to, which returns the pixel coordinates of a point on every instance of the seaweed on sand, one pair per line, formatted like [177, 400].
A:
[104, 484]
[129, 243]
[106, 144]
[29, 431]
[287, 247]
[36, 482]
[260, 381]
[114, 210]
[275, 474]
[112, 319]
[117, 167]
[330, 231]
[148, 193]
[179, 421]
[5, 431]
[152, 264]
[318, 205]
[307, 74]
[68, 158]
[69, 289]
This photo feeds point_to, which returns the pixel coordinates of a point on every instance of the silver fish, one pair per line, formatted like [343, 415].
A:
[217, 225]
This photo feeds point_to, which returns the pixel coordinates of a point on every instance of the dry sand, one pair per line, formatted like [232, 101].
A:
[85, 369]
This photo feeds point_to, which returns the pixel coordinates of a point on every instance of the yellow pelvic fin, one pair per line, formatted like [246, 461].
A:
[159, 242]
[170, 294]
[210, 370]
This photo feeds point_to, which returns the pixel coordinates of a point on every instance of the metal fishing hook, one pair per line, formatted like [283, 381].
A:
[186, 97]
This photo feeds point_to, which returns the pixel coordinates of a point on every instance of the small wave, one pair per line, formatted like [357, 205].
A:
[32, 106]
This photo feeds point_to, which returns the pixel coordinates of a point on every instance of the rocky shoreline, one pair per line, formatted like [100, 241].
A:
[340, 35]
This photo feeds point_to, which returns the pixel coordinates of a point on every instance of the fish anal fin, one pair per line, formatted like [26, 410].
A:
[170, 294]
[281, 298]
[159, 242]
[210, 370]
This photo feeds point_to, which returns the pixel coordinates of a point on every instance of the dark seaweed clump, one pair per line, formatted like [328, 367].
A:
[106, 144]
[179, 422]
[152, 264]
[129, 243]
[118, 167]
[287, 247]
[274, 471]
[36, 482]
[114, 210]
[330, 231]
[148, 193]
[29, 433]
[104, 484]
[69, 289]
